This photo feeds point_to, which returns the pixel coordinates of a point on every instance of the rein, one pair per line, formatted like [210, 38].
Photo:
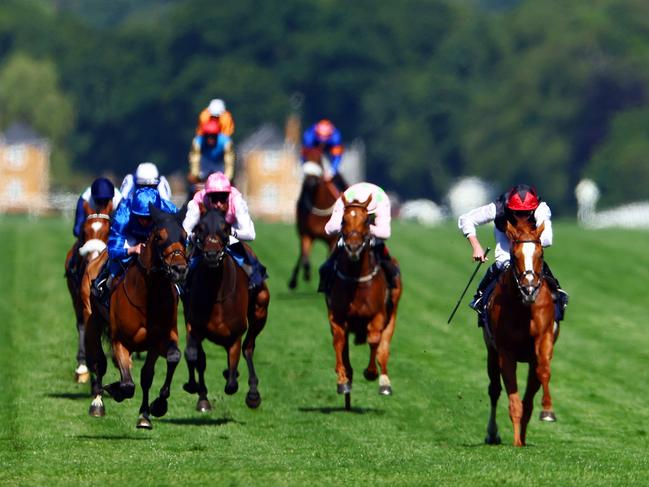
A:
[365, 278]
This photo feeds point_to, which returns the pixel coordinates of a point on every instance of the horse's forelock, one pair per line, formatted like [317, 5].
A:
[214, 222]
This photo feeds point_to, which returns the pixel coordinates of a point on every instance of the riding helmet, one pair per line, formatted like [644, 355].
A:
[147, 174]
[324, 129]
[102, 189]
[522, 198]
[143, 197]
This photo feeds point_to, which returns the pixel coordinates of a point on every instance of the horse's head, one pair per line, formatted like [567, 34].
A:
[356, 227]
[212, 236]
[526, 258]
[167, 243]
[94, 232]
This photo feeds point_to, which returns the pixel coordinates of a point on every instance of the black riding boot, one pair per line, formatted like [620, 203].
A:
[307, 195]
[560, 296]
[478, 303]
[327, 271]
[339, 182]
[385, 260]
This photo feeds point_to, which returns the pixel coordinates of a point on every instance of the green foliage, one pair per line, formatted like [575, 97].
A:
[430, 432]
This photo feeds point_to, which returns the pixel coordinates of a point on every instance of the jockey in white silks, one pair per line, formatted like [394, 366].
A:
[146, 175]
[379, 229]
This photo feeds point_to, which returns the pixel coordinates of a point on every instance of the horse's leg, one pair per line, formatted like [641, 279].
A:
[545, 352]
[341, 348]
[146, 379]
[81, 374]
[97, 364]
[307, 245]
[159, 406]
[203, 404]
[508, 372]
[234, 353]
[374, 329]
[191, 357]
[292, 283]
[533, 385]
[125, 388]
[493, 371]
[257, 315]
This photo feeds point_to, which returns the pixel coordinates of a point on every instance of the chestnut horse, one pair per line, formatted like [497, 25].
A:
[521, 329]
[219, 307]
[361, 302]
[142, 317]
[92, 241]
[314, 208]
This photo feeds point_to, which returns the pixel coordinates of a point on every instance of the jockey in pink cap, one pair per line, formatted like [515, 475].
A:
[379, 208]
[220, 194]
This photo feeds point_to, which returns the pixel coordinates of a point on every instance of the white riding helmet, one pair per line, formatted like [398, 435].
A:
[147, 174]
[216, 107]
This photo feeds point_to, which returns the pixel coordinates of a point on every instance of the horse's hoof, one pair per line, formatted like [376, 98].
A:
[345, 388]
[370, 375]
[97, 411]
[253, 400]
[143, 422]
[191, 387]
[492, 440]
[231, 388]
[81, 374]
[547, 416]
[159, 407]
[203, 406]
[292, 284]
[385, 390]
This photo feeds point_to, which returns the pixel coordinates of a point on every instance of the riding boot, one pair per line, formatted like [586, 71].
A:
[559, 296]
[305, 201]
[253, 268]
[490, 276]
[327, 271]
[339, 182]
[390, 269]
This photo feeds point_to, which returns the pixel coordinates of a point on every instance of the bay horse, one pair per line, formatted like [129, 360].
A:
[361, 302]
[142, 317]
[521, 329]
[313, 210]
[92, 241]
[219, 307]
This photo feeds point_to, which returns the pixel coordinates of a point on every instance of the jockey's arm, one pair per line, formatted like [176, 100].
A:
[79, 217]
[228, 160]
[243, 227]
[191, 217]
[335, 156]
[381, 227]
[117, 235]
[164, 189]
[468, 222]
[542, 214]
[128, 186]
[335, 223]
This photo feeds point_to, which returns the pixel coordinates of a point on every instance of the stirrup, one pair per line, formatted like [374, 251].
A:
[475, 303]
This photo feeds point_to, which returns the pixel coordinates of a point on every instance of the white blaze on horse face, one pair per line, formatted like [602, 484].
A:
[528, 253]
[352, 213]
[96, 226]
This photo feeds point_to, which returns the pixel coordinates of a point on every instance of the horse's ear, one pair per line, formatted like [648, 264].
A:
[539, 230]
[181, 213]
[156, 213]
[344, 200]
[367, 202]
[511, 231]
[86, 208]
[109, 207]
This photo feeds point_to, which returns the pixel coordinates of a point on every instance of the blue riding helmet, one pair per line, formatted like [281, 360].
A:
[143, 197]
[102, 189]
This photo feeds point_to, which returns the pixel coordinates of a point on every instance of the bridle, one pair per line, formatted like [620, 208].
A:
[213, 261]
[528, 293]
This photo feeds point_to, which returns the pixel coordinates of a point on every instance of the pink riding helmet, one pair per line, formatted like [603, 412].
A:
[217, 183]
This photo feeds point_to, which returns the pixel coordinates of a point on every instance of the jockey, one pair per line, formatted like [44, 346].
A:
[521, 200]
[146, 175]
[216, 109]
[220, 194]
[326, 137]
[211, 152]
[130, 229]
[97, 195]
[380, 230]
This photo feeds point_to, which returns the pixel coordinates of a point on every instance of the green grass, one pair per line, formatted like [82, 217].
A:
[430, 432]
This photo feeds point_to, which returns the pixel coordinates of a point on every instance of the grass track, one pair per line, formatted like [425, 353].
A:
[429, 433]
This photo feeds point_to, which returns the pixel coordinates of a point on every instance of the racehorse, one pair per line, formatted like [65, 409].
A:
[314, 207]
[218, 307]
[361, 302]
[142, 317]
[94, 235]
[521, 329]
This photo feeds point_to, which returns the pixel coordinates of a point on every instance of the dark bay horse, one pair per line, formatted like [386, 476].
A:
[521, 318]
[142, 317]
[314, 208]
[361, 302]
[220, 308]
[92, 241]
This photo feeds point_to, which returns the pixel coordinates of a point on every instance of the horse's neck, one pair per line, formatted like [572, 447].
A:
[364, 265]
[217, 281]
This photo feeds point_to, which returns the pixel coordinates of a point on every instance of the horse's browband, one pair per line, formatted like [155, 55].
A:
[98, 215]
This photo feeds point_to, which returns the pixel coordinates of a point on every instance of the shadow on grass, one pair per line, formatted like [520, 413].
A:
[69, 395]
[341, 409]
[295, 295]
[203, 421]
[109, 437]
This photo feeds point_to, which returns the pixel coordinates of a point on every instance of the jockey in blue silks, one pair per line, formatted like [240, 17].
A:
[98, 196]
[131, 227]
[326, 137]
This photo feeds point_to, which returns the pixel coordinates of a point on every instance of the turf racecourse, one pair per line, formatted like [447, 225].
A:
[430, 432]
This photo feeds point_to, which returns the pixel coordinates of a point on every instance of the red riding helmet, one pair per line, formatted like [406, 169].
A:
[211, 127]
[324, 129]
[522, 198]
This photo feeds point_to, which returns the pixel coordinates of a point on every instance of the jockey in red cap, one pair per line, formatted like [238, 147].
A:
[212, 151]
[325, 136]
[521, 200]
